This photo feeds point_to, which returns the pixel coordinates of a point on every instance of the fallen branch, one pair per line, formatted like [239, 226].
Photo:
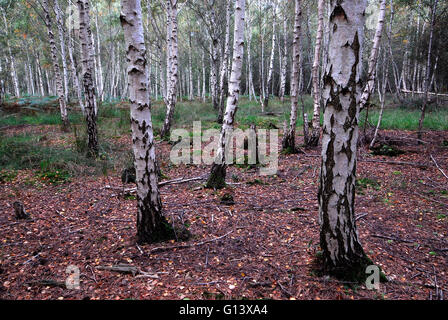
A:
[392, 238]
[438, 167]
[125, 268]
[161, 184]
[399, 163]
[432, 200]
[184, 246]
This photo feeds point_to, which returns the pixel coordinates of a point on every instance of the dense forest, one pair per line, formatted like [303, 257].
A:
[223, 149]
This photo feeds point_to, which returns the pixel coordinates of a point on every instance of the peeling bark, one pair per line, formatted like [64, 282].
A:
[218, 173]
[172, 49]
[343, 255]
[57, 70]
[151, 224]
[85, 37]
[313, 140]
[289, 137]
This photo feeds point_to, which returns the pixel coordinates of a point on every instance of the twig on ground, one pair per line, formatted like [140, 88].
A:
[184, 246]
[438, 167]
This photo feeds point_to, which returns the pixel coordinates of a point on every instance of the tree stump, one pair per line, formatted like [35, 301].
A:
[20, 212]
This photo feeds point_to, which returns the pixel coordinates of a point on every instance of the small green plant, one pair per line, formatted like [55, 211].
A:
[363, 183]
[256, 182]
[386, 150]
[7, 175]
[54, 177]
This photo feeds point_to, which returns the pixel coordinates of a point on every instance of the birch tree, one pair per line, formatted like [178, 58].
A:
[60, 24]
[151, 224]
[342, 253]
[371, 74]
[313, 140]
[224, 66]
[289, 137]
[218, 172]
[172, 76]
[284, 57]
[85, 38]
[428, 69]
[57, 69]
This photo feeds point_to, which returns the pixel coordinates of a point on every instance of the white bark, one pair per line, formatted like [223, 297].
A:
[284, 58]
[371, 74]
[224, 64]
[14, 77]
[172, 49]
[74, 72]
[342, 251]
[218, 173]
[315, 133]
[85, 37]
[57, 70]
[60, 23]
[288, 143]
[151, 225]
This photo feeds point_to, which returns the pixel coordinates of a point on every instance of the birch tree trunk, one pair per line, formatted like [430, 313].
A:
[100, 65]
[173, 68]
[151, 224]
[382, 99]
[284, 59]
[224, 66]
[289, 137]
[57, 70]
[313, 140]
[39, 73]
[60, 23]
[371, 74]
[271, 66]
[343, 255]
[74, 72]
[85, 37]
[217, 176]
[428, 70]
[15, 80]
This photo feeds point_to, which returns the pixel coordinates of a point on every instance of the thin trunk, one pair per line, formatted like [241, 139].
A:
[428, 69]
[57, 71]
[173, 66]
[224, 66]
[15, 80]
[288, 143]
[284, 59]
[271, 65]
[88, 57]
[74, 72]
[382, 99]
[371, 74]
[313, 141]
[60, 23]
[218, 173]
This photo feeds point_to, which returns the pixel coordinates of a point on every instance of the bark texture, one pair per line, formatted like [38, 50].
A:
[172, 49]
[151, 224]
[343, 255]
[218, 173]
[313, 140]
[289, 137]
[371, 74]
[57, 69]
[85, 37]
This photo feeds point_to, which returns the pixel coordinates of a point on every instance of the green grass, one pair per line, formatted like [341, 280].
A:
[26, 151]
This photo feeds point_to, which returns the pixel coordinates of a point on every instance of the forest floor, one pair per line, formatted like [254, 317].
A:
[262, 246]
